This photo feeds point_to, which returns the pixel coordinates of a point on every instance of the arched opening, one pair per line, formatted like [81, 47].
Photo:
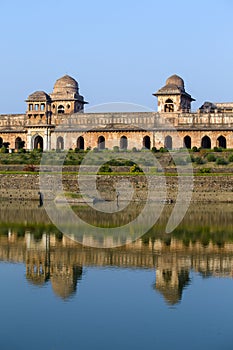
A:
[187, 142]
[19, 143]
[1, 142]
[60, 142]
[146, 142]
[123, 142]
[169, 106]
[80, 142]
[38, 142]
[60, 109]
[101, 142]
[168, 142]
[206, 142]
[221, 140]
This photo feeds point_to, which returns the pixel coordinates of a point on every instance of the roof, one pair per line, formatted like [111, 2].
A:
[174, 86]
[65, 83]
[38, 96]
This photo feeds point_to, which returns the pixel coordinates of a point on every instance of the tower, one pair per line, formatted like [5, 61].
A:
[172, 97]
[65, 98]
[38, 108]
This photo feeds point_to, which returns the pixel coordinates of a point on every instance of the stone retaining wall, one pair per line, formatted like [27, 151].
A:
[206, 188]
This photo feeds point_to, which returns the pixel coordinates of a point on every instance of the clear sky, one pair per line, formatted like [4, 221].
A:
[121, 51]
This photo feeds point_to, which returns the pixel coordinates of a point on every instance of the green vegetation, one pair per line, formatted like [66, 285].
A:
[202, 159]
[221, 161]
[136, 169]
[205, 170]
[211, 157]
[105, 168]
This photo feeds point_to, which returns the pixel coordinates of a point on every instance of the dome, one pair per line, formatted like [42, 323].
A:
[65, 84]
[63, 287]
[175, 80]
[38, 96]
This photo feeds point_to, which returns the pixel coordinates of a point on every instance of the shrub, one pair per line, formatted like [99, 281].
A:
[230, 159]
[221, 161]
[163, 149]
[3, 149]
[128, 163]
[195, 149]
[205, 170]
[192, 159]
[105, 168]
[136, 169]
[154, 149]
[38, 150]
[211, 157]
[5, 161]
[199, 160]
[217, 149]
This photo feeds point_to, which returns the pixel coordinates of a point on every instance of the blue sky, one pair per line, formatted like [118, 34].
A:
[119, 51]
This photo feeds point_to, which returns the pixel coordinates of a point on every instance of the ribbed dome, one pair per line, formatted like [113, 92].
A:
[175, 80]
[65, 84]
[38, 96]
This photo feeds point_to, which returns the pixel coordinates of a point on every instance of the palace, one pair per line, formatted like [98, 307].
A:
[58, 121]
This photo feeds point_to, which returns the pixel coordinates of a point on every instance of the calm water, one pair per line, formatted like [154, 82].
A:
[162, 292]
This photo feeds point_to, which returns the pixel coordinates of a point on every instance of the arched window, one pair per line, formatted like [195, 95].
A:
[60, 109]
[187, 142]
[1, 142]
[123, 142]
[101, 142]
[30, 107]
[168, 142]
[38, 142]
[36, 106]
[42, 107]
[80, 142]
[60, 142]
[206, 142]
[169, 106]
[146, 142]
[222, 142]
[19, 143]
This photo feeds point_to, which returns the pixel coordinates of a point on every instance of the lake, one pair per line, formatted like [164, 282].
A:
[162, 291]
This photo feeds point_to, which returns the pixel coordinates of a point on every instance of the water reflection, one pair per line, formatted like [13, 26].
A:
[50, 257]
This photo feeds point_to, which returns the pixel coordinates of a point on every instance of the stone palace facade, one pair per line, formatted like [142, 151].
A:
[57, 121]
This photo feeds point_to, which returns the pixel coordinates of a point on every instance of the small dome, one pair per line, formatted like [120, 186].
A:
[65, 84]
[175, 80]
[63, 287]
[38, 96]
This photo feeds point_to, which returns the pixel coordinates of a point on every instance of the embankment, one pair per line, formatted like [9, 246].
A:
[207, 188]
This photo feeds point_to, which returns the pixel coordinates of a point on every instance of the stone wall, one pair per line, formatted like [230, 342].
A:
[206, 188]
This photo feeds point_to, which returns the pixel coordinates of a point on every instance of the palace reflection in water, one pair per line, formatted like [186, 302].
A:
[56, 259]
